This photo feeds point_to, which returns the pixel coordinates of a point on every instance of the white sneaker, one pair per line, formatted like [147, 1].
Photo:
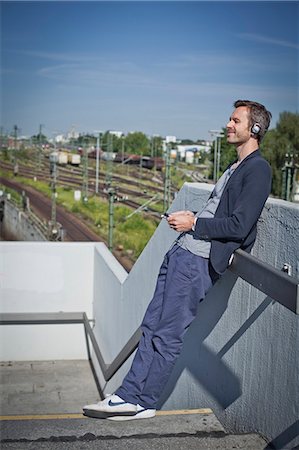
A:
[112, 405]
[142, 413]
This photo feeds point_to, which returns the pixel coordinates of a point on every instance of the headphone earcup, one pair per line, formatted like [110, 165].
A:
[255, 129]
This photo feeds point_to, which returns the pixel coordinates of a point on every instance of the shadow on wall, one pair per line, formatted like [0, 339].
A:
[281, 441]
[207, 367]
[204, 365]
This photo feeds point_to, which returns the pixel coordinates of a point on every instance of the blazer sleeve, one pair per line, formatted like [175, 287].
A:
[256, 188]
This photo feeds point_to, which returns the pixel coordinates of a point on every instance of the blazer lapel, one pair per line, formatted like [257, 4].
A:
[240, 167]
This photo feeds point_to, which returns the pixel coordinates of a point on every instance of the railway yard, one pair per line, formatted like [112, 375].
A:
[129, 187]
[138, 192]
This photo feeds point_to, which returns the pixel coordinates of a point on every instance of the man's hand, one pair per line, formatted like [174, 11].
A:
[181, 220]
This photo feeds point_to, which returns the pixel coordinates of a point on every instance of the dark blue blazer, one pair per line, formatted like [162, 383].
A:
[241, 203]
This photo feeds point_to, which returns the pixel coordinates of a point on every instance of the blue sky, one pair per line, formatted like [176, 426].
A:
[169, 68]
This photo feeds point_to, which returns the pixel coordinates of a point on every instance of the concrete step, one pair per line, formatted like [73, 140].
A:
[41, 408]
[173, 430]
[46, 387]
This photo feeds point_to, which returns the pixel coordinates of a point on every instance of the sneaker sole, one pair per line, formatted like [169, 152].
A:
[146, 414]
[105, 415]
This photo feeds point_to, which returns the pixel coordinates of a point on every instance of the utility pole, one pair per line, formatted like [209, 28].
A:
[98, 162]
[40, 147]
[122, 149]
[140, 165]
[215, 161]
[85, 172]
[38, 152]
[111, 194]
[289, 171]
[167, 180]
[15, 163]
[53, 174]
[110, 190]
[218, 134]
[154, 150]
[109, 160]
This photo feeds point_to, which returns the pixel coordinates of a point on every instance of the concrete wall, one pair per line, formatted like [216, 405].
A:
[240, 355]
[16, 225]
[45, 277]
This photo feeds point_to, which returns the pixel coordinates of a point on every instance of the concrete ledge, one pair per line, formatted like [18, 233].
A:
[176, 432]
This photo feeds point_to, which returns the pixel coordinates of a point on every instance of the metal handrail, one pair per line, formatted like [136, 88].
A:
[273, 282]
[49, 318]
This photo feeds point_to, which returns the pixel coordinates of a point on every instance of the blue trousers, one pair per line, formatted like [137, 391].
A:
[183, 281]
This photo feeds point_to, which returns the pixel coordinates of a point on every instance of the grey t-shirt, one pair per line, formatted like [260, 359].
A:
[187, 240]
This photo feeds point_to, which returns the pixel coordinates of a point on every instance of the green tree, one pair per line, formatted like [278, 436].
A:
[40, 137]
[187, 142]
[279, 142]
[137, 142]
[156, 146]
[86, 139]
[273, 148]
[288, 126]
[117, 144]
[115, 141]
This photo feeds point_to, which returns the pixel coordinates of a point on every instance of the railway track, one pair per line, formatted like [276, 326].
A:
[77, 173]
[76, 230]
[69, 181]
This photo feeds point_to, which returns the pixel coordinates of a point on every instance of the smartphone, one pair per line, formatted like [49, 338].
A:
[165, 215]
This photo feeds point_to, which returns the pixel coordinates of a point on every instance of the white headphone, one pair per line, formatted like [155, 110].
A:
[255, 129]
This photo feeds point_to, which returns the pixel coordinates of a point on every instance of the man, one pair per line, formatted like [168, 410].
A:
[199, 256]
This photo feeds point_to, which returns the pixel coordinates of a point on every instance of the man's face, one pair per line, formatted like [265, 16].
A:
[238, 128]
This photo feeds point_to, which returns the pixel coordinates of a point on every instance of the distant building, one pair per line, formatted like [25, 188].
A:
[118, 134]
[190, 153]
[72, 135]
[169, 139]
[206, 146]
[59, 139]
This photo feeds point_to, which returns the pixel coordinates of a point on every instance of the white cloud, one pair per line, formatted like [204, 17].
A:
[116, 74]
[268, 40]
[199, 67]
[219, 61]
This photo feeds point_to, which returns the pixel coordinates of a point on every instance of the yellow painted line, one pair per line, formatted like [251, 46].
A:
[184, 411]
[80, 416]
[43, 417]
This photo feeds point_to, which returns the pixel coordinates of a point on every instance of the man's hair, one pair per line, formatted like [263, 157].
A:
[258, 114]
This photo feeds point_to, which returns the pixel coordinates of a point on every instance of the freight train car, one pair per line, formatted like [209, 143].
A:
[147, 162]
[74, 159]
[58, 158]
